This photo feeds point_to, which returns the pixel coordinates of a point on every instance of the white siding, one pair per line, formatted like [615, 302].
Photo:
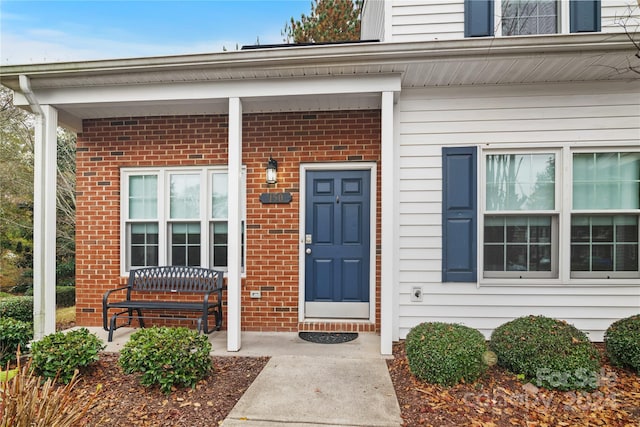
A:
[426, 20]
[372, 20]
[558, 115]
[615, 12]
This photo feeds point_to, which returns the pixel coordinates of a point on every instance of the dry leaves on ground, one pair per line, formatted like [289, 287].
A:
[499, 399]
[122, 401]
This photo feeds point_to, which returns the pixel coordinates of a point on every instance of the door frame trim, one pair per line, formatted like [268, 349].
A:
[372, 167]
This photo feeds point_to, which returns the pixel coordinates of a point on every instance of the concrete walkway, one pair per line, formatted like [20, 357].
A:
[306, 384]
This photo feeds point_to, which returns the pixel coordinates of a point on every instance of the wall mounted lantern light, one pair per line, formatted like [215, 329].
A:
[272, 168]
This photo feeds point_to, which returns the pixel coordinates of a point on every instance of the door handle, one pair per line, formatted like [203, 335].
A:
[308, 251]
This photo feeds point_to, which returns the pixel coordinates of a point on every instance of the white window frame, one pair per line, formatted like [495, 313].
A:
[607, 275]
[164, 218]
[563, 23]
[555, 215]
[564, 208]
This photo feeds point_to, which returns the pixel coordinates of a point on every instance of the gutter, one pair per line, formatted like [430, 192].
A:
[25, 88]
[327, 55]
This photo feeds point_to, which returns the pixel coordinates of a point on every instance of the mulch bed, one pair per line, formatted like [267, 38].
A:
[499, 399]
[122, 401]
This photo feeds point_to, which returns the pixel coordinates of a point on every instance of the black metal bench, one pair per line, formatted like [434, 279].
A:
[173, 280]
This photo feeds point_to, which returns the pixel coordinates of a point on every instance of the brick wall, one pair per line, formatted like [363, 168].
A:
[272, 254]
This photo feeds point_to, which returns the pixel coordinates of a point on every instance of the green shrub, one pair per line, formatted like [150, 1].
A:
[445, 354]
[13, 333]
[66, 269]
[65, 296]
[622, 343]
[62, 353]
[19, 308]
[167, 356]
[554, 353]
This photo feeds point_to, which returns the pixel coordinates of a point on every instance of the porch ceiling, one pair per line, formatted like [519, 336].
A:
[483, 61]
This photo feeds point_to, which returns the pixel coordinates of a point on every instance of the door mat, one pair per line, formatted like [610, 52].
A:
[328, 337]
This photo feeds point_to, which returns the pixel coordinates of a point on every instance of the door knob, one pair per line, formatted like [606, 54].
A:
[308, 251]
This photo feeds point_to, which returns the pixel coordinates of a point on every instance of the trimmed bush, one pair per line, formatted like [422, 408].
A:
[60, 354]
[13, 333]
[550, 352]
[445, 354]
[167, 357]
[622, 343]
[65, 296]
[19, 308]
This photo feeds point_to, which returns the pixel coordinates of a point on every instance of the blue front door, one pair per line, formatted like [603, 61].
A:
[337, 244]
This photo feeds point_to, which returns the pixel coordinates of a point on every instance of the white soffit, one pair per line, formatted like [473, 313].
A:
[345, 76]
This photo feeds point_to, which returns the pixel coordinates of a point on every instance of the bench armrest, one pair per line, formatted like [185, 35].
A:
[106, 294]
[105, 299]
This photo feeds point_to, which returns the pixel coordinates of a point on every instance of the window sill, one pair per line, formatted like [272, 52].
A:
[487, 282]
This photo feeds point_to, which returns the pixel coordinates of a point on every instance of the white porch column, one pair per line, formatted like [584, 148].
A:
[234, 275]
[388, 234]
[44, 223]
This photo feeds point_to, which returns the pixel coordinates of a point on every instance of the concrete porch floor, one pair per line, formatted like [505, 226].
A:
[367, 345]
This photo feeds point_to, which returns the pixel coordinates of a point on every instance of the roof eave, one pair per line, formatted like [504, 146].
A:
[327, 55]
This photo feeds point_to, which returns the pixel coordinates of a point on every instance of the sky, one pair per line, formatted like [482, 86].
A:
[34, 32]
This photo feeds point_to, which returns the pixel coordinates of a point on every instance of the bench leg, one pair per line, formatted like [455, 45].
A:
[140, 321]
[112, 327]
[218, 315]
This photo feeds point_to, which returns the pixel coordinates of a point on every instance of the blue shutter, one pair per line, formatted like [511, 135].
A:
[478, 18]
[459, 214]
[584, 16]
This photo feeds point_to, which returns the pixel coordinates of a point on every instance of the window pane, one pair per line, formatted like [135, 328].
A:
[517, 230]
[540, 230]
[606, 181]
[517, 258]
[580, 229]
[520, 182]
[526, 243]
[219, 240]
[580, 258]
[523, 17]
[626, 229]
[143, 197]
[540, 258]
[602, 229]
[494, 258]
[220, 256]
[219, 198]
[602, 259]
[185, 244]
[494, 230]
[143, 244]
[604, 243]
[184, 199]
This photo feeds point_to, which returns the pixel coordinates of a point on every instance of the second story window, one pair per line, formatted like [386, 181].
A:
[484, 18]
[527, 17]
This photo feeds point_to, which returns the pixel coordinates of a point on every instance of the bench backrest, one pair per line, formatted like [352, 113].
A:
[175, 279]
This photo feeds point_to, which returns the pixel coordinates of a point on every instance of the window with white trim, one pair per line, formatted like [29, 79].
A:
[605, 215]
[176, 216]
[530, 17]
[527, 17]
[524, 196]
[520, 216]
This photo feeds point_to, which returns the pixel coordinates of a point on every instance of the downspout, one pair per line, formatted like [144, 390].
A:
[25, 88]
